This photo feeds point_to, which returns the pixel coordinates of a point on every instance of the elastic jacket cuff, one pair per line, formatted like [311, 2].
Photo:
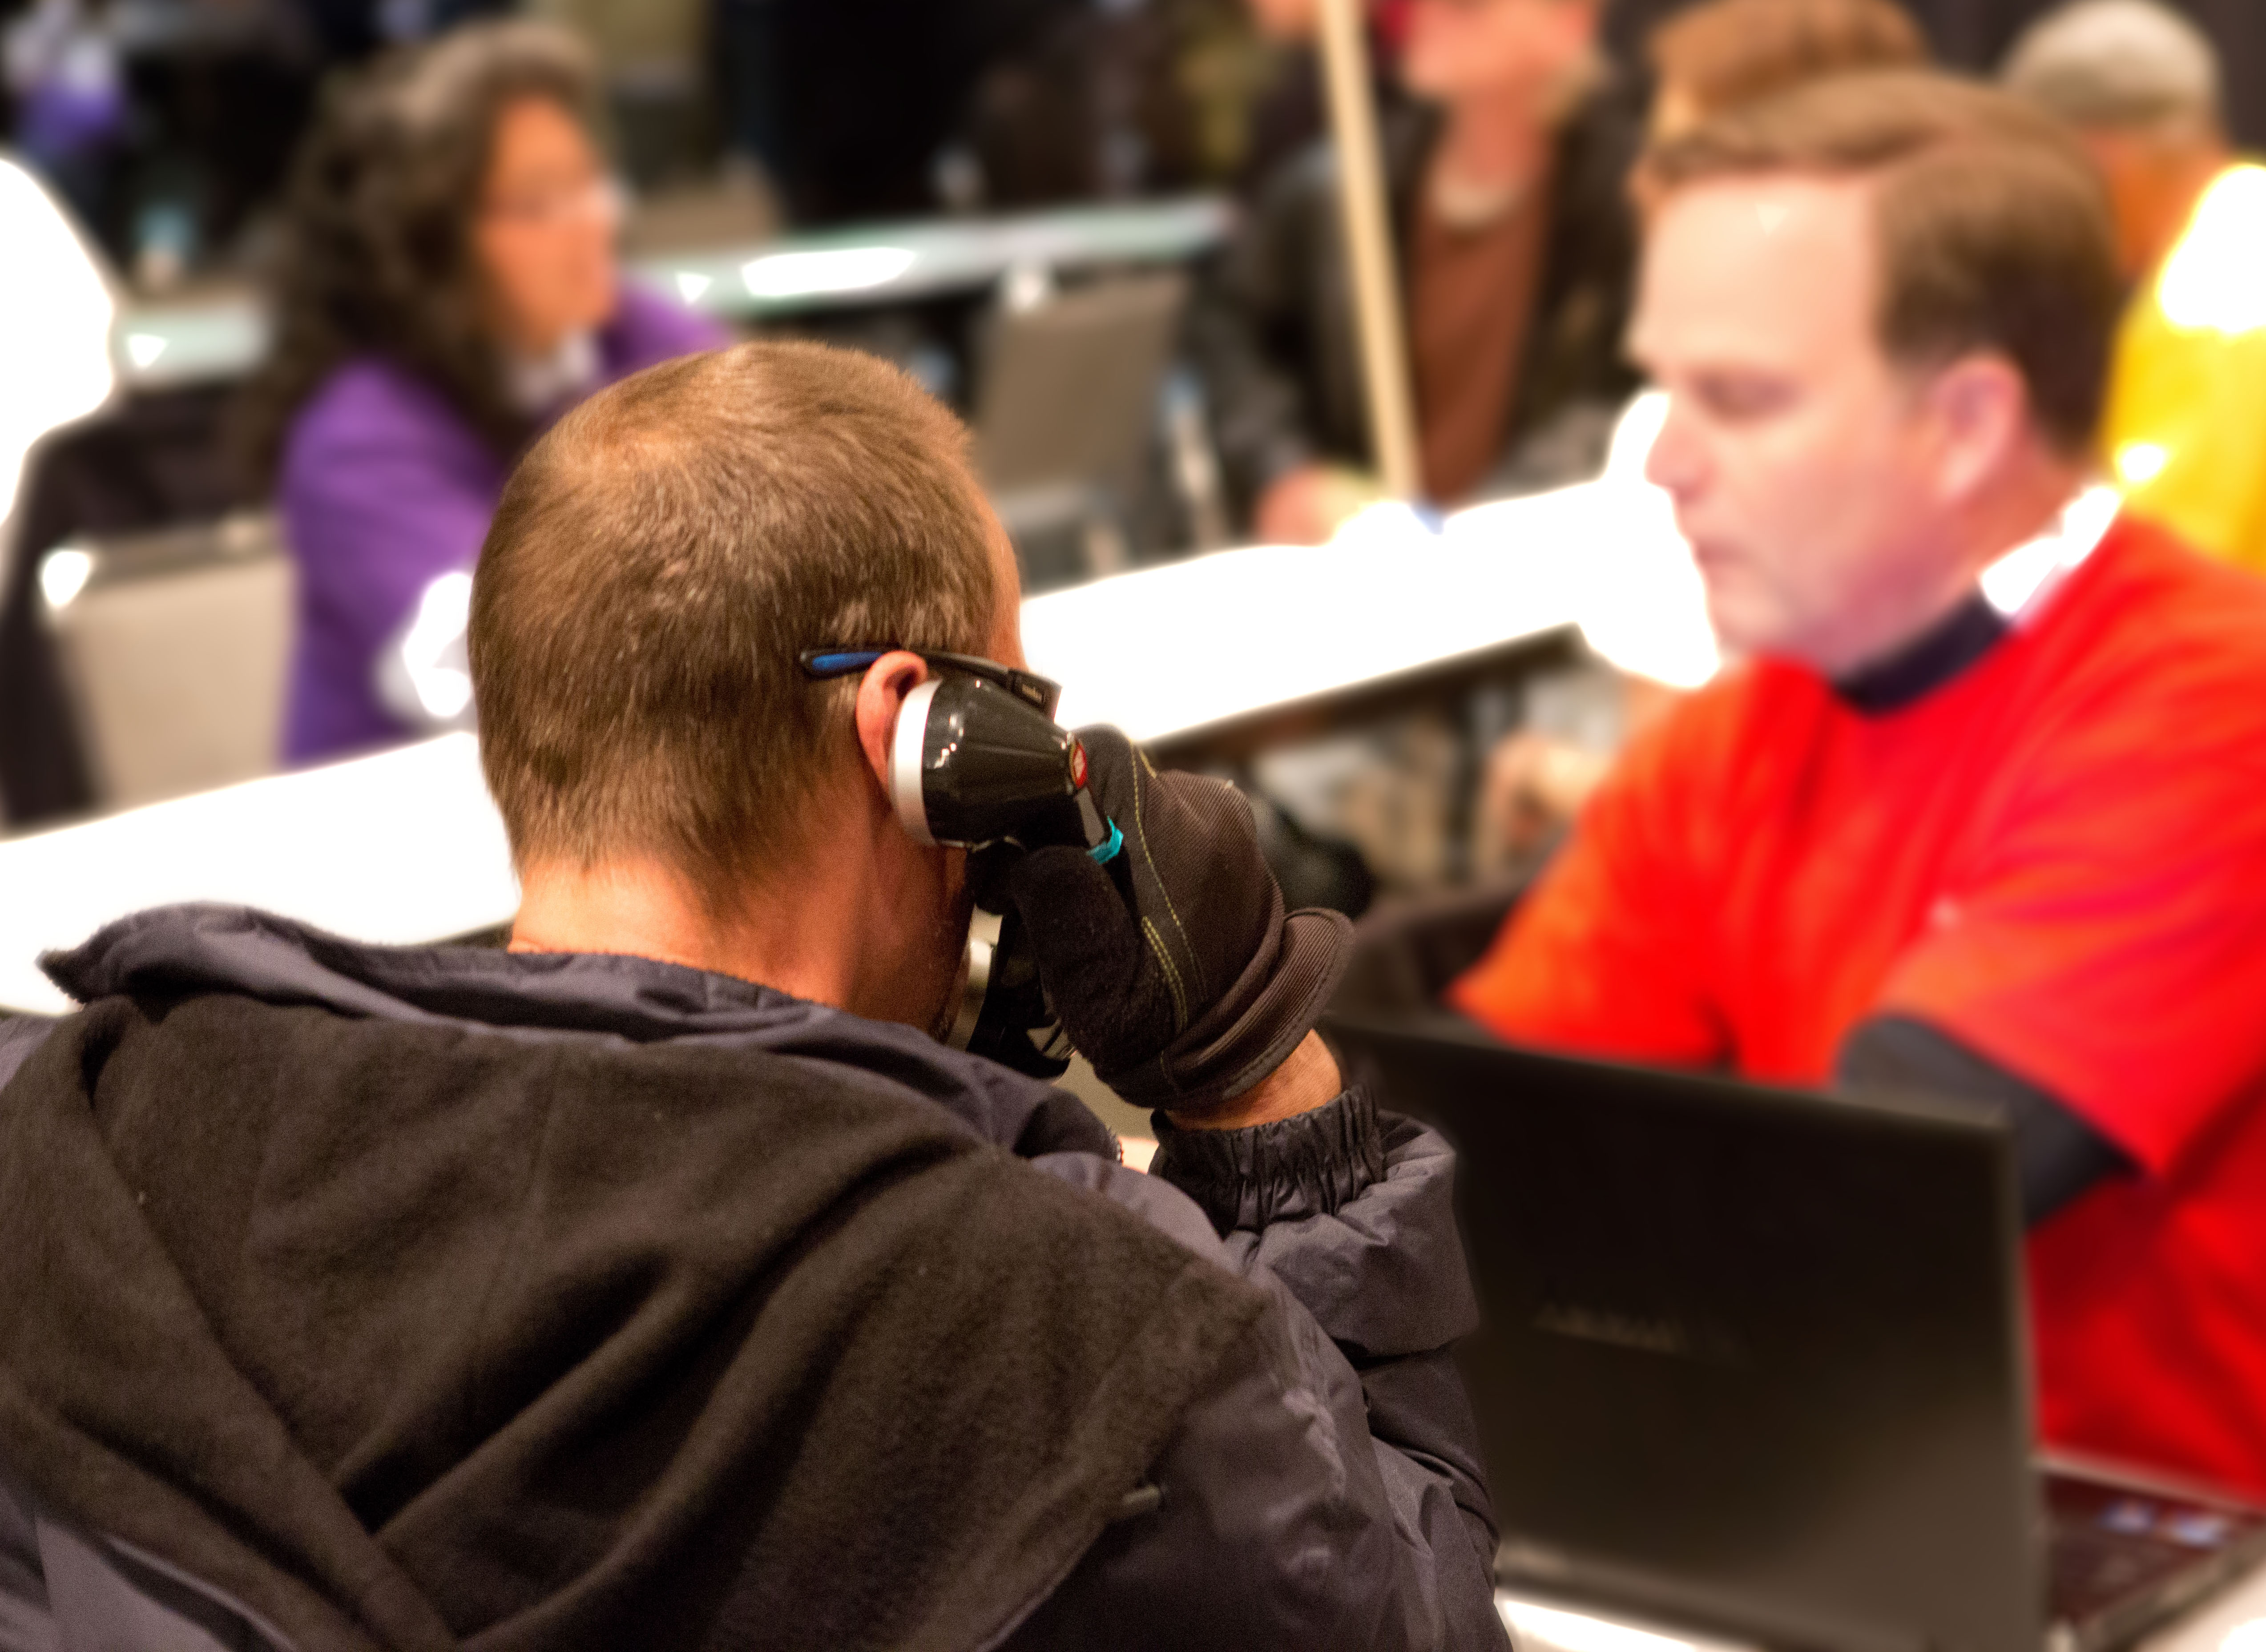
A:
[1311, 1165]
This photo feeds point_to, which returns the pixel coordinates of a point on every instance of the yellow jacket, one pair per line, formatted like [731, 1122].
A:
[2185, 429]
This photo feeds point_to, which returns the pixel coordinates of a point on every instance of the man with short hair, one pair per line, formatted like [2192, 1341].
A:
[662, 1280]
[1984, 812]
[2185, 424]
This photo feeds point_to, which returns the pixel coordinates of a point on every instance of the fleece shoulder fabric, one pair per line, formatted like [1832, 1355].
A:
[420, 1333]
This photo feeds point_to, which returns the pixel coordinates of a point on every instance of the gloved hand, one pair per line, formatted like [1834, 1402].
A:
[1175, 968]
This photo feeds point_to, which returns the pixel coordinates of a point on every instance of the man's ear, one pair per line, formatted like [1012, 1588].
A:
[1980, 408]
[881, 692]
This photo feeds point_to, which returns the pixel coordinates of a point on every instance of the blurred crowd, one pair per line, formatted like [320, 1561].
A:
[433, 204]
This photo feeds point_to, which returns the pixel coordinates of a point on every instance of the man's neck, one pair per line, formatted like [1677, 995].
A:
[2024, 506]
[642, 909]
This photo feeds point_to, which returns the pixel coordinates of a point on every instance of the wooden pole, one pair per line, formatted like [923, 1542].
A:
[1378, 314]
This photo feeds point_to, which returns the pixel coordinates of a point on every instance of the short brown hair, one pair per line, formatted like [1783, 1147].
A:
[1994, 231]
[1724, 53]
[659, 561]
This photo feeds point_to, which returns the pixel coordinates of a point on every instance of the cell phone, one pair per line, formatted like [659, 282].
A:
[975, 766]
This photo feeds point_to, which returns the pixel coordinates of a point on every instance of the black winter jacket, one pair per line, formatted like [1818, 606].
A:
[1322, 1489]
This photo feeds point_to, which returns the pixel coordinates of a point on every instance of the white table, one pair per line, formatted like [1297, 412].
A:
[400, 848]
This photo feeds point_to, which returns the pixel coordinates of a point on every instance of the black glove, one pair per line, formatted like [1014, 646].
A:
[1173, 968]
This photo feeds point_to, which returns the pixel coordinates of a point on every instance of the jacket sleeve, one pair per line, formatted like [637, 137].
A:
[1328, 1493]
[2058, 1156]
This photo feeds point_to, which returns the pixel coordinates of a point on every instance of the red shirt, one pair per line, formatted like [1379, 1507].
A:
[2057, 857]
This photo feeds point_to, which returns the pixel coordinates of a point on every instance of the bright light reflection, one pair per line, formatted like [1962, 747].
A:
[54, 328]
[142, 348]
[2211, 280]
[691, 283]
[63, 573]
[2140, 463]
[2012, 582]
[847, 270]
[434, 643]
[2246, 1637]
[1578, 1632]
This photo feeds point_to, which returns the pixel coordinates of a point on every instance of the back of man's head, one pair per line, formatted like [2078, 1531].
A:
[2119, 65]
[660, 561]
[1994, 233]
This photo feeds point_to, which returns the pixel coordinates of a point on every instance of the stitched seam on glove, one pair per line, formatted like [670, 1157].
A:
[1140, 792]
[1172, 976]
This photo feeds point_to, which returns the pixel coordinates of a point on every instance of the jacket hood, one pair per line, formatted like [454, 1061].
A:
[176, 951]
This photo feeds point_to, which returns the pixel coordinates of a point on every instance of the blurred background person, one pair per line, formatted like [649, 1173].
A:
[1706, 60]
[448, 284]
[2185, 428]
[1980, 826]
[1507, 192]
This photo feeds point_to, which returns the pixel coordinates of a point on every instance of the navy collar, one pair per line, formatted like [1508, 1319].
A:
[1940, 653]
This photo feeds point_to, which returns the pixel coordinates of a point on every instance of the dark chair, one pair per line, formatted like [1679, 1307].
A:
[156, 460]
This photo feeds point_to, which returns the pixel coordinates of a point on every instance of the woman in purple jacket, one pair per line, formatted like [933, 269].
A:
[448, 287]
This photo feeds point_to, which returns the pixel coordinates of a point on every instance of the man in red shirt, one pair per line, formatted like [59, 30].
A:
[1990, 824]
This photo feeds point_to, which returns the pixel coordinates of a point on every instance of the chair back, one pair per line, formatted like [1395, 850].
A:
[174, 647]
[1067, 415]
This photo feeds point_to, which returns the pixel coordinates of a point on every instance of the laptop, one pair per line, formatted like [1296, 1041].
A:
[1754, 1360]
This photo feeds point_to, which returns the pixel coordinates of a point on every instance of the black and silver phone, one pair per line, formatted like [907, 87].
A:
[975, 765]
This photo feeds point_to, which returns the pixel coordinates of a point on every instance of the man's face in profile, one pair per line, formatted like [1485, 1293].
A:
[1795, 451]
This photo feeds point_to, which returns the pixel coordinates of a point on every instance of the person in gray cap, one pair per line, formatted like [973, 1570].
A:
[2185, 426]
[2139, 84]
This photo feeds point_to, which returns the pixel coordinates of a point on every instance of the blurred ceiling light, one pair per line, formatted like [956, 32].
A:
[691, 283]
[2140, 463]
[845, 270]
[1578, 1632]
[2210, 281]
[142, 348]
[63, 573]
[55, 315]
